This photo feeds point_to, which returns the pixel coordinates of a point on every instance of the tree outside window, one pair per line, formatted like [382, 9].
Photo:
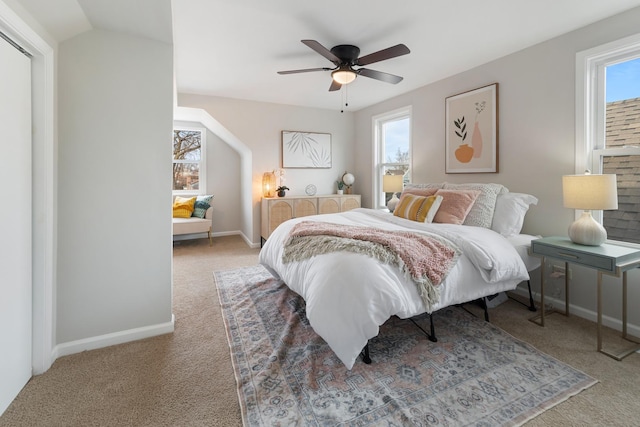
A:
[393, 148]
[188, 156]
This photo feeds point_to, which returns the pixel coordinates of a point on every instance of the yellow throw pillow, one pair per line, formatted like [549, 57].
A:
[417, 208]
[183, 207]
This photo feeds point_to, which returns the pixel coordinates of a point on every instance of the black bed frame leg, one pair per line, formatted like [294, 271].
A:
[532, 306]
[485, 307]
[365, 354]
[432, 336]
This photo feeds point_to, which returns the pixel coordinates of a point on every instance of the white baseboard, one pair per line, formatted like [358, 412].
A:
[226, 233]
[578, 311]
[249, 243]
[107, 340]
[218, 234]
[191, 236]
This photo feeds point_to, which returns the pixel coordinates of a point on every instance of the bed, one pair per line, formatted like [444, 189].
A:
[349, 294]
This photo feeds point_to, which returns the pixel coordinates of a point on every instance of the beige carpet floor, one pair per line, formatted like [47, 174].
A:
[186, 379]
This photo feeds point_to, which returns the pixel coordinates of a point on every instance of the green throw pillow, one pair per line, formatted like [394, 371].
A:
[202, 204]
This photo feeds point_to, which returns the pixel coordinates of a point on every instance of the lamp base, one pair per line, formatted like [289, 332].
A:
[392, 203]
[586, 231]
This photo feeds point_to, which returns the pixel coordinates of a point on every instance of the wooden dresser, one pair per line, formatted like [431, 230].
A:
[277, 210]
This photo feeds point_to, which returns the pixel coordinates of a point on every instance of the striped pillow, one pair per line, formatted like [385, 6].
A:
[183, 207]
[417, 208]
[200, 207]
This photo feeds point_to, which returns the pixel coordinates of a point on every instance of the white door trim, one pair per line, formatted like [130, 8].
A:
[44, 182]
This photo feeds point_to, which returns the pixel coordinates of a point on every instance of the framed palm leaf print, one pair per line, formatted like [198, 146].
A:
[306, 149]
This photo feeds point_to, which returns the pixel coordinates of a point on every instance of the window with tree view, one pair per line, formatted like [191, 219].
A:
[393, 142]
[188, 157]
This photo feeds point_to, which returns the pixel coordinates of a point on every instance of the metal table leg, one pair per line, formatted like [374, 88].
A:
[631, 350]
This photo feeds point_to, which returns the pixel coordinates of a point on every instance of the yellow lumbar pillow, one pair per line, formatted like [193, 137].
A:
[418, 208]
[183, 207]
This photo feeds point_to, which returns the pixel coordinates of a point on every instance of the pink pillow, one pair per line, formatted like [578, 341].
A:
[424, 192]
[455, 205]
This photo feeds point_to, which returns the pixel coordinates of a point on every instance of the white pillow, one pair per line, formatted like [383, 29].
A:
[481, 212]
[509, 213]
[427, 186]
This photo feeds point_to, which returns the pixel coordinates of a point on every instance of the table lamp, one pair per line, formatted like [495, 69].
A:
[392, 184]
[269, 184]
[589, 192]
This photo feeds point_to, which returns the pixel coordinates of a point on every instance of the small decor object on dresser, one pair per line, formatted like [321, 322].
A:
[268, 184]
[281, 190]
[310, 190]
[348, 180]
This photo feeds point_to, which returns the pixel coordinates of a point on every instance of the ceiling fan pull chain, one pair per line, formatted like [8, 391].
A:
[345, 97]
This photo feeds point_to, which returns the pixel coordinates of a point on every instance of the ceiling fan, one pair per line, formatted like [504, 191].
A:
[345, 57]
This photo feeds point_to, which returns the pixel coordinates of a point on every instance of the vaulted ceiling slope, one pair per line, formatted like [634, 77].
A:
[64, 19]
[234, 48]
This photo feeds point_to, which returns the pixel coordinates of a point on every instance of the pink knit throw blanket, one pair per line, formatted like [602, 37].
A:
[425, 258]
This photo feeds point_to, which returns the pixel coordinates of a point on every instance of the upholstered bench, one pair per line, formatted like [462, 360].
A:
[183, 224]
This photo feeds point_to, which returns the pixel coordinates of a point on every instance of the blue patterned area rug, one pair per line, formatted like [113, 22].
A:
[476, 374]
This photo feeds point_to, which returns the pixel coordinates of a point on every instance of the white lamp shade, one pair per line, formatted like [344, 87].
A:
[392, 183]
[590, 192]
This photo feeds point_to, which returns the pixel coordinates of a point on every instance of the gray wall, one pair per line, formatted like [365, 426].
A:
[114, 163]
[258, 125]
[536, 138]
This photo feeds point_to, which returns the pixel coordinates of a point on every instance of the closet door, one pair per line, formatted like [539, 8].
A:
[15, 222]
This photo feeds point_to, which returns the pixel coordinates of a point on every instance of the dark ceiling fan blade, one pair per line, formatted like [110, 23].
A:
[381, 55]
[379, 75]
[334, 86]
[322, 50]
[305, 70]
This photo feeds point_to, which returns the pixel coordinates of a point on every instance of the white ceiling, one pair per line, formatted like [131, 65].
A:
[234, 48]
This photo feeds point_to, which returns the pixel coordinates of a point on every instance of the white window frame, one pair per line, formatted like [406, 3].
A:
[202, 165]
[379, 163]
[591, 105]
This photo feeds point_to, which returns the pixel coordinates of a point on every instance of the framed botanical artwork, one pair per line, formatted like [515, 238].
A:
[306, 149]
[471, 131]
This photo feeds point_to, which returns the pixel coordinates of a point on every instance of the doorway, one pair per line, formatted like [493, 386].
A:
[15, 221]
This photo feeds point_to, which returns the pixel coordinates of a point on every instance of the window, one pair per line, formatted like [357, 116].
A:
[392, 139]
[608, 128]
[189, 161]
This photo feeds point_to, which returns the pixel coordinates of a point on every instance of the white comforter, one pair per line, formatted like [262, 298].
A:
[348, 295]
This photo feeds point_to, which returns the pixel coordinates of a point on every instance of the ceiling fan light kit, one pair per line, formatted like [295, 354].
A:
[345, 57]
[343, 76]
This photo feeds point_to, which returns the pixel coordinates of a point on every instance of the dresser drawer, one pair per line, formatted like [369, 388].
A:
[576, 257]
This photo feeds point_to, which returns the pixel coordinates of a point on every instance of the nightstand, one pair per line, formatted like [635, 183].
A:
[614, 260]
